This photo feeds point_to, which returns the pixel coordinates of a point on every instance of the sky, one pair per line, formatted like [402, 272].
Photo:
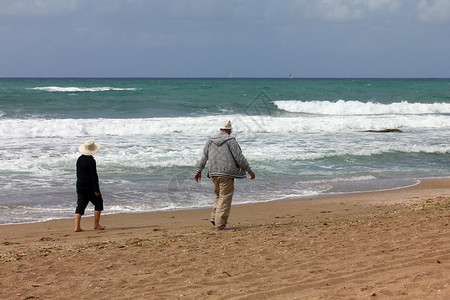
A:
[216, 38]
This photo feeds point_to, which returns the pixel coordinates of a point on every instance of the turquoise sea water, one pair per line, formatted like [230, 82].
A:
[303, 138]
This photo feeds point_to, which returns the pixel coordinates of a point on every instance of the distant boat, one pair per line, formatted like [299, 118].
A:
[230, 76]
[290, 75]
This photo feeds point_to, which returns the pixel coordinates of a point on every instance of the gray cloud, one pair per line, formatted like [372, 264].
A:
[37, 7]
[434, 11]
[321, 38]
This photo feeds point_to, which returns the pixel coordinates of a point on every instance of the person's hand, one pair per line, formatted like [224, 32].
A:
[252, 175]
[97, 194]
[198, 176]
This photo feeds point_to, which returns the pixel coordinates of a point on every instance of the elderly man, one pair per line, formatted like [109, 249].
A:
[225, 163]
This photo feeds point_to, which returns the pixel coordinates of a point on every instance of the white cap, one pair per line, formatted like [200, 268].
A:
[226, 125]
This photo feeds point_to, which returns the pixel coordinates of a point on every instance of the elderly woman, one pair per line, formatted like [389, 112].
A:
[88, 189]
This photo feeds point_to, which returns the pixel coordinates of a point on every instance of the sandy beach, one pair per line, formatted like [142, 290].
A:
[379, 245]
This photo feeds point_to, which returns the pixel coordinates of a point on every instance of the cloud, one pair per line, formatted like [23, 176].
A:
[390, 5]
[345, 10]
[37, 7]
[210, 37]
[339, 10]
[436, 11]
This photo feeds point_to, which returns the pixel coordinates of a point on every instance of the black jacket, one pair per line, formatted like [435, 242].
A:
[87, 178]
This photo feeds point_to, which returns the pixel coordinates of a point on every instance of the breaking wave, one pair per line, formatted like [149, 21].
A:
[74, 89]
[350, 108]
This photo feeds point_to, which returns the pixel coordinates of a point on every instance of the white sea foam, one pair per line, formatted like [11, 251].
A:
[48, 147]
[74, 89]
[350, 108]
[70, 128]
[349, 179]
[39, 158]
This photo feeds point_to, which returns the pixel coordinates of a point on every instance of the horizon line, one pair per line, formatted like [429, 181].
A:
[212, 77]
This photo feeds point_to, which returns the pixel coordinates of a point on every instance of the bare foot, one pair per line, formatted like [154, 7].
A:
[99, 227]
[78, 230]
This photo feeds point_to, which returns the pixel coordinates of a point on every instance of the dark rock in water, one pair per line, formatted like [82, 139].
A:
[385, 130]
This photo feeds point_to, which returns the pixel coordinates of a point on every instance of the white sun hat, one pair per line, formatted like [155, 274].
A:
[89, 147]
[226, 125]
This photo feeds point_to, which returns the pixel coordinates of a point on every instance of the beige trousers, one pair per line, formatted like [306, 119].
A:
[223, 188]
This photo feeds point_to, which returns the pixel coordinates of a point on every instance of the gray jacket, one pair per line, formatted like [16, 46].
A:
[224, 157]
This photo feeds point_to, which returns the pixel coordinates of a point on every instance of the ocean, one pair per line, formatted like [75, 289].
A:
[303, 138]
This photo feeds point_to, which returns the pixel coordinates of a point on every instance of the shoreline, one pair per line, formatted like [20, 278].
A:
[89, 211]
[386, 244]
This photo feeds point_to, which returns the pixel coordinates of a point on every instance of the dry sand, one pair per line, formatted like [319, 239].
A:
[381, 245]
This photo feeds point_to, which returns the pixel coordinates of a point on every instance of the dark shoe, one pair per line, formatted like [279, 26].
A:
[224, 228]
